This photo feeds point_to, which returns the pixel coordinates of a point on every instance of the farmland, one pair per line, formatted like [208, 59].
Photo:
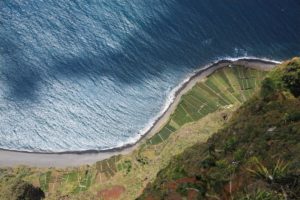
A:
[225, 87]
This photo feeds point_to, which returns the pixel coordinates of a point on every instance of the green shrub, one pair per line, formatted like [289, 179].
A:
[292, 117]
[208, 162]
[239, 155]
[127, 165]
[184, 187]
[230, 144]
[261, 195]
[178, 173]
[222, 164]
[291, 78]
[268, 88]
[273, 174]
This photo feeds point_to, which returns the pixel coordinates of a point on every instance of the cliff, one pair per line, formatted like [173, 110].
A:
[255, 156]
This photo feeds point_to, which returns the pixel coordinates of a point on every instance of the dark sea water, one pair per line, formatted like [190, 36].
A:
[81, 75]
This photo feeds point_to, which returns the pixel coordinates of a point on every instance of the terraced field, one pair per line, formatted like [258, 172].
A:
[225, 87]
[201, 112]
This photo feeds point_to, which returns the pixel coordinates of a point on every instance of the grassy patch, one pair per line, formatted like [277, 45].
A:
[229, 85]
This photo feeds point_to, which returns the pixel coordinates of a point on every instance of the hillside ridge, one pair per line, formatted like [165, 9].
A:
[255, 156]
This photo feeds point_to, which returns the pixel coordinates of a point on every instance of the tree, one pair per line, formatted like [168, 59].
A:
[291, 78]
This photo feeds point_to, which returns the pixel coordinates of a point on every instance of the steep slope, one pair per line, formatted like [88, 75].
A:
[255, 156]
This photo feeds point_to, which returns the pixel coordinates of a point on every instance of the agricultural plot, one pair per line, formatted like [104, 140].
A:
[70, 181]
[162, 135]
[84, 182]
[44, 180]
[227, 86]
[125, 166]
[108, 166]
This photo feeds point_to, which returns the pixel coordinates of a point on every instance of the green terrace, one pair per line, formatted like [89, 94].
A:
[108, 166]
[225, 87]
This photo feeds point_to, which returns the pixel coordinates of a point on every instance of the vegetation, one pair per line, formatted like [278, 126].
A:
[203, 170]
[255, 156]
[274, 174]
[13, 188]
[225, 87]
[262, 195]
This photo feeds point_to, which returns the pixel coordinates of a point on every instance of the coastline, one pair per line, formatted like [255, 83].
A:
[10, 158]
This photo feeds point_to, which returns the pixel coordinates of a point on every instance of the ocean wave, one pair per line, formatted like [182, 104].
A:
[97, 75]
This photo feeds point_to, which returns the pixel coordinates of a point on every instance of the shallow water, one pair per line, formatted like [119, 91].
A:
[81, 75]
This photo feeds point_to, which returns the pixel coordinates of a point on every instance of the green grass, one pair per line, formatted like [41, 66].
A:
[223, 85]
[84, 182]
[71, 177]
[44, 180]
[181, 117]
[108, 166]
[229, 85]
[217, 88]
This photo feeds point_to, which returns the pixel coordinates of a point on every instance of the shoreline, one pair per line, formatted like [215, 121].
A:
[9, 158]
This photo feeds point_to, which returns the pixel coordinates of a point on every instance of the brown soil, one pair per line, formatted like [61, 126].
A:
[192, 195]
[112, 193]
[174, 184]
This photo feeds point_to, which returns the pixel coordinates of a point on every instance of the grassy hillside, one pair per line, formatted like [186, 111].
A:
[200, 113]
[255, 156]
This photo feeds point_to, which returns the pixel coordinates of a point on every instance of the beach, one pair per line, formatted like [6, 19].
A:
[72, 159]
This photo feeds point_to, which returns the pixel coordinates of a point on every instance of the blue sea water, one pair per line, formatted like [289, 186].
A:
[94, 74]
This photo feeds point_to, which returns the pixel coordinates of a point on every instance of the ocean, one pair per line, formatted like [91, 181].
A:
[81, 75]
